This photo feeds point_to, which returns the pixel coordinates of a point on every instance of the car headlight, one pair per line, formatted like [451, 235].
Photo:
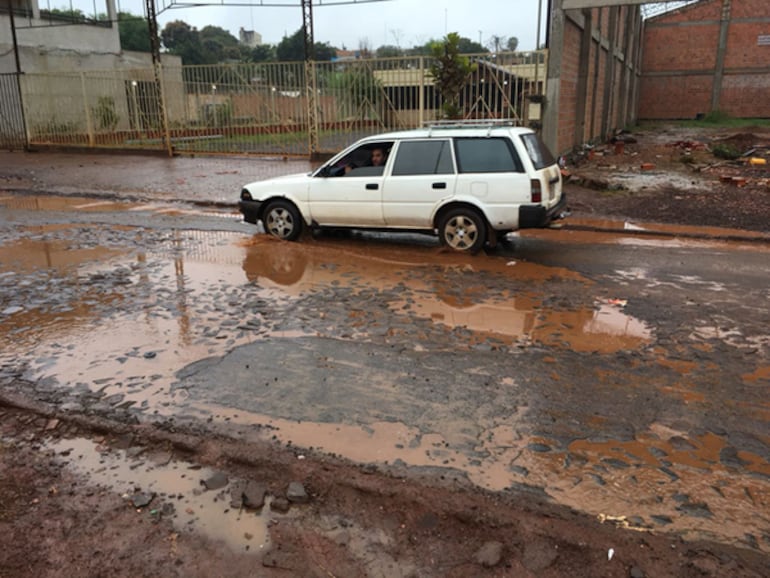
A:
[245, 195]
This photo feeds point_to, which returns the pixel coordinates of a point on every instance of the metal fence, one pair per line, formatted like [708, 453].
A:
[12, 135]
[263, 108]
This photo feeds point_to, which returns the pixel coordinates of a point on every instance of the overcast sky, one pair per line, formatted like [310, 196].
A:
[398, 22]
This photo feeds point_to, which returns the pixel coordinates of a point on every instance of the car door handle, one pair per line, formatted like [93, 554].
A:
[372, 186]
[439, 185]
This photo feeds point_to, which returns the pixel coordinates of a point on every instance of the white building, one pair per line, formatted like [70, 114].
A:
[53, 43]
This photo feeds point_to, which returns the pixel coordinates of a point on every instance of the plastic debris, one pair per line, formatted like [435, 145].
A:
[618, 302]
[510, 263]
[610, 553]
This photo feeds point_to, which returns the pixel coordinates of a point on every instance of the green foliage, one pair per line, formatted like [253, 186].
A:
[388, 51]
[183, 40]
[105, 114]
[69, 15]
[725, 151]
[716, 117]
[56, 127]
[292, 48]
[134, 32]
[356, 86]
[450, 72]
[219, 114]
[464, 46]
[261, 53]
[512, 44]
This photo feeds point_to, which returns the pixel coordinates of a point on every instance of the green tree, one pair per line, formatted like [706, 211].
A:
[356, 88]
[218, 45]
[134, 32]
[292, 48]
[261, 53]
[464, 46]
[512, 44]
[468, 46]
[183, 40]
[388, 51]
[450, 71]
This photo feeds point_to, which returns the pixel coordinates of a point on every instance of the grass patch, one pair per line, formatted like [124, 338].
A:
[716, 119]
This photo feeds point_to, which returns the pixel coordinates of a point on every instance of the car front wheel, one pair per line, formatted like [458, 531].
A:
[282, 220]
[463, 229]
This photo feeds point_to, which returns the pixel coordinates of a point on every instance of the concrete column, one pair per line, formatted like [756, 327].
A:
[597, 61]
[582, 86]
[112, 13]
[609, 74]
[716, 90]
[550, 112]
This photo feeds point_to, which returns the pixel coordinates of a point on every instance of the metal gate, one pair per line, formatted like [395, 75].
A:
[12, 133]
[263, 108]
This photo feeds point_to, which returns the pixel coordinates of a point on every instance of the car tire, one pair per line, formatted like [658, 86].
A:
[281, 219]
[463, 229]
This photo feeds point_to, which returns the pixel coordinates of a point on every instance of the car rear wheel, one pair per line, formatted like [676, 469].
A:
[282, 220]
[463, 229]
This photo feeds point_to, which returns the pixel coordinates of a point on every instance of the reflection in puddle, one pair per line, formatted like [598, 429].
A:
[61, 203]
[297, 270]
[171, 482]
[28, 255]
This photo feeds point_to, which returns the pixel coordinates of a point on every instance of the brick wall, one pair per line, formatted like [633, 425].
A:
[594, 113]
[680, 58]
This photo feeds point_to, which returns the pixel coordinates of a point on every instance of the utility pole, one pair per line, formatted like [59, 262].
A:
[152, 25]
[18, 72]
[310, 78]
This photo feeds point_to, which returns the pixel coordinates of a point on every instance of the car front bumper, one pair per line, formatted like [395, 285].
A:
[250, 210]
[537, 216]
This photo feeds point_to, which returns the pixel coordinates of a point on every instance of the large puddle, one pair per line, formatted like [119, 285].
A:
[170, 488]
[123, 323]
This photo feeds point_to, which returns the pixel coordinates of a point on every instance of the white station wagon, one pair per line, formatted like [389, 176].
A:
[468, 182]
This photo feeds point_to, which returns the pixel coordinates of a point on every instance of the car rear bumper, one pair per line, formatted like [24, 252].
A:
[250, 210]
[537, 216]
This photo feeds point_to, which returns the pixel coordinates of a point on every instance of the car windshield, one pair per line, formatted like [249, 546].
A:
[539, 154]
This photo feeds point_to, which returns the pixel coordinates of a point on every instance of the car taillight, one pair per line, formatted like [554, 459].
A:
[537, 191]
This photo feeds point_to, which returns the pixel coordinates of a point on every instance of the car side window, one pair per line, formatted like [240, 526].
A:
[487, 155]
[424, 157]
[368, 160]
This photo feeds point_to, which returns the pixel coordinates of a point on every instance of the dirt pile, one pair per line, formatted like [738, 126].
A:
[685, 176]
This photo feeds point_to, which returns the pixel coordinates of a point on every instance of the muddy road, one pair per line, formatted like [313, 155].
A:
[620, 376]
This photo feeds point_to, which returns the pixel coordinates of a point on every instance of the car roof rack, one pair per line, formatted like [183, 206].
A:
[488, 124]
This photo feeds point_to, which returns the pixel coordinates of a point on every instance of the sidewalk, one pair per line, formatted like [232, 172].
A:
[215, 180]
[218, 181]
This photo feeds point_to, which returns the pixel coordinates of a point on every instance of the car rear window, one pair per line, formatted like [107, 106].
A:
[487, 155]
[538, 153]
[432, 157]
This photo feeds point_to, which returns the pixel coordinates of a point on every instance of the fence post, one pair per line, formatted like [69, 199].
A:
[312, 107]
[162, 103]
[421, 96]
[87, 111]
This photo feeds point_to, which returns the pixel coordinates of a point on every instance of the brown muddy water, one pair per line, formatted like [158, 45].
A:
[202, 294]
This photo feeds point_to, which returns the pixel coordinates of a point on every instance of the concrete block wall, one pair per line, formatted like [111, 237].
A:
[681, 72]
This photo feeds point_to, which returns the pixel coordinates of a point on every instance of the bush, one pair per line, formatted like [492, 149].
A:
[105, 113]
[725, 151]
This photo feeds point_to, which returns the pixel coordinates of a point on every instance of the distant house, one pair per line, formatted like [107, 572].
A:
[54, 48]
[53, 41]
[346, 55]
[708, 56]
[249, 37]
